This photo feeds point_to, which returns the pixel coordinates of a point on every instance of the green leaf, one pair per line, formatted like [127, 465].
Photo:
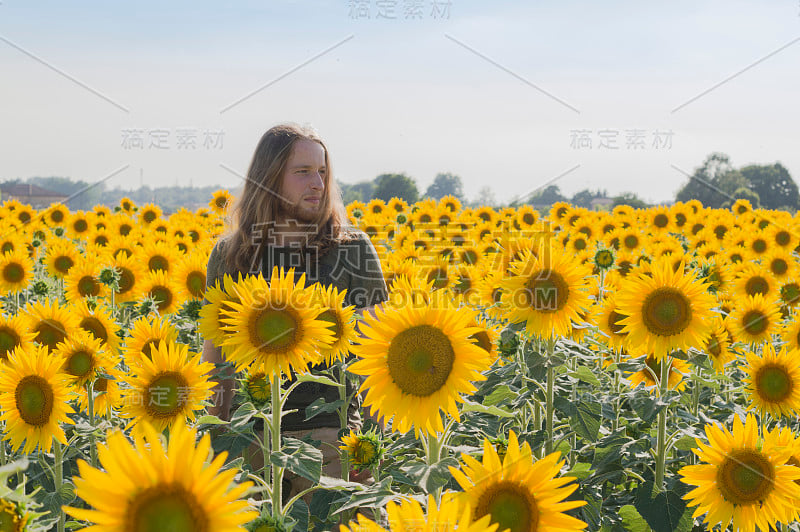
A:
[581, 471]
[321, 407]
[632, 519]
[472, 406]
[211, 420]
[243, 414]
[431, 478]
[501, 394]
[310, 377]
[375, 496]
[686, 443]
[664, 511]
[300, 458]
[586, 421]
[585, 374]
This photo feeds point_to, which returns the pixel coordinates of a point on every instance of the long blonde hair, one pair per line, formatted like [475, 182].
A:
[258, 205]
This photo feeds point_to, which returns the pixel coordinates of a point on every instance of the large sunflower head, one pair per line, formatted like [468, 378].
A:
[163, 289]
[15, 331]
[666, 310]
[549, 291]
[34, 399]
[60, 257]
[82, 281]
[276, 324]
[191, 276]
[519, 493]
[754, 319]
[419, 359]
[156, 487]
[171, 386]
[50, 322]
[340, 318]
[773, 381]
[16, 271]
[743, 480]
[145, 335]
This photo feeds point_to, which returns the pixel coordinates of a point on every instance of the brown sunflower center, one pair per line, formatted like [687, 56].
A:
[774, 383]
[756, 285]
[274, 329]
[482, 340]
[221, 201]
[778, 266]
[331, 317]
[614, 319]
[149, 216]
[100, 385]
[420, 360]
[88, 286]
[196, 283]
[9, 518]
[546, 291]
[714, 346]
[631, 241]
[660, 220]
[759, 245]
[158, 262]
[510, 505]
[126, 279]
[755, 322]
[9, 339]
[746, 476]
[95, 327]
[165, 507]
[13, 273]
[163, 295]
[80, 226]
[790, 293]
[167, 394]
[783, 238]
[49, 333]
[666, 312]
[63, 264]
[439, 277]
[34, 399]
[79, 363]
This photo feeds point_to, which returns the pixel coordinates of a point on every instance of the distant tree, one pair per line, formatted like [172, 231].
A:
[584, 197]
[629, 198]
[445, 185]
[743, 193]
[388, 186]
[546, 196]
[485, 197]
[773, 184]
[83, 195]
[707, 183]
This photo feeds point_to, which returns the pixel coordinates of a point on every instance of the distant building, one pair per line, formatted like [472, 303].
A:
[33, 195]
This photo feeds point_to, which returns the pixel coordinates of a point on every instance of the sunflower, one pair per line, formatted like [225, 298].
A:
[127, 205]
[81, 354]
[256, 388]
[158, 256]
[754, 279]
[608, 319]
[718, 345]
[163, 289]
[665, 312]
[56, 214]
[276, 324]
[131, 277]
[149, 488]
[50, 322]
[61, 255]
[758, 244]
[744, 480]
[220, 201]
[78, 225]
[364, 449]
[520, 494]
[34, 399]
[171, 386]
[15, 332]
[107, 393]
[773, 381]
[548, 292]
[82, 281]
[119, 244]
[754, 319]
[149, 213]
[145, 335]
[407, 515]
[487, 338]
[419, 359]
[648, 376]
[16, 271]
[190, 274]
[340, 319]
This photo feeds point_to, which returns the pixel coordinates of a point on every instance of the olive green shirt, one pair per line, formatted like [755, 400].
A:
[353, 266]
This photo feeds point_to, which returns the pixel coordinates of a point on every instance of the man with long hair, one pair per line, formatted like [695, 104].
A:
[290, 214]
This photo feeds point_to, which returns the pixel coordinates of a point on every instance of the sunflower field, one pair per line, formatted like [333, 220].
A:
[569, 370]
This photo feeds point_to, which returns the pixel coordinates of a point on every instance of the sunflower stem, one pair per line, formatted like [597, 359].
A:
[549, 399]
[343, 456]
[92, 446]
[59, 478]
[434, 450]
[615, 422]
[661, 442]
[277, 472]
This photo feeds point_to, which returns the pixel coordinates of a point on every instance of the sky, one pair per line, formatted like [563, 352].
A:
[618, 95]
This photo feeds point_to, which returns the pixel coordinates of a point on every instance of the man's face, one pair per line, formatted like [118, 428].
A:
[303, 182]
